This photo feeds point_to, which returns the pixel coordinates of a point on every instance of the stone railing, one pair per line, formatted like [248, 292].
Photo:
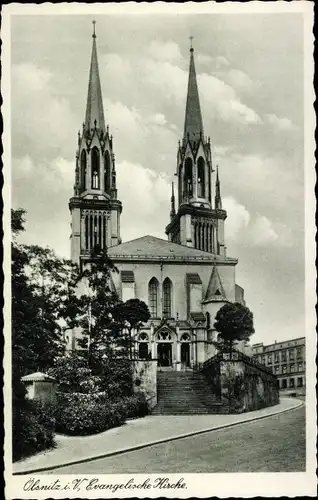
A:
[236, 356]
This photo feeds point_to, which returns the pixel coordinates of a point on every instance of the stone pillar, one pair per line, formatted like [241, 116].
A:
[178, 355]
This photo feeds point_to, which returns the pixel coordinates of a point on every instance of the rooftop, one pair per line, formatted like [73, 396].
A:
[153, 248]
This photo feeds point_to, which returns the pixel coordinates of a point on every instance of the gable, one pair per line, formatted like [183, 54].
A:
[215, 290]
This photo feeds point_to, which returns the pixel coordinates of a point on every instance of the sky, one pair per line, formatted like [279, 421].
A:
[250, 78]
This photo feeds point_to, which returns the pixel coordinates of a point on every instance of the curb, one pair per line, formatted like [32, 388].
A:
[158, 441]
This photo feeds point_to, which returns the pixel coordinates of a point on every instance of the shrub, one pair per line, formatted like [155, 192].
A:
[115, 377]
[32, 429]
[135, 406]
[73, 374]
[84, 414]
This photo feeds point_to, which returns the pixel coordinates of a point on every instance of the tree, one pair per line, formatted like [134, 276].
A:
[101, 333]
[132, 314]
[234, 322]
[43, 303]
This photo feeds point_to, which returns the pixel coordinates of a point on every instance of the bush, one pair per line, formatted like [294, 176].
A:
[32, 430]
[115, 377]
[135, 406]
[84, 414]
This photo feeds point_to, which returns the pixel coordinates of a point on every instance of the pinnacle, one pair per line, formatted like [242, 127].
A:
[193, 126]
[94, 108]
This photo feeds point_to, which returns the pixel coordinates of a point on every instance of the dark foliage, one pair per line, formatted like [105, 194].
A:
[32, 430]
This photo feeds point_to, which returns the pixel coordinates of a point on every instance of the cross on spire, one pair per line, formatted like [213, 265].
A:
[191, 40]
[94, 23]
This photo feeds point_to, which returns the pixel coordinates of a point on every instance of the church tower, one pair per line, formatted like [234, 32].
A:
[95, 209]
[196, 223]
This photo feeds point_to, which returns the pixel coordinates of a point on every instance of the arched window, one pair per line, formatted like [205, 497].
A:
[167, 296]
[185, 338]
[201, 177]
[83, 170]
[107, 172]
[143, 346]
[180, 184]
[208, 320]
[153, 288]
[95, 169]
[188, 175]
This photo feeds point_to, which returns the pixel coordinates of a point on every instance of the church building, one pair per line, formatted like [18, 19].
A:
[184, 279]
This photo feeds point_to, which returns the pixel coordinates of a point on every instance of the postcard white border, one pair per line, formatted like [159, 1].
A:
[198, 485]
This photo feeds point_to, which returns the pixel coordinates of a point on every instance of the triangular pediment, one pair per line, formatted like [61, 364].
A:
[215, 290]
[164, 331]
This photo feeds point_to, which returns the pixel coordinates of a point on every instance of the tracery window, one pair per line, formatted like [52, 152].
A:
[106, 172]
[185, 338]
[153, 297]
[83, 170]
[201, 177]
[95, 169]
[167, 297]
[188, 176]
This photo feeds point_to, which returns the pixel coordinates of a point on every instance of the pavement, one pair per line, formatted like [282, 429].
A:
[137, 434]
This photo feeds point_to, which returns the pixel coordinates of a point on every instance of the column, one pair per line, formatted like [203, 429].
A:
[82, 231]
[89, 230]
[102, 231]
[212, 238]
[201, 237]
[178, 355]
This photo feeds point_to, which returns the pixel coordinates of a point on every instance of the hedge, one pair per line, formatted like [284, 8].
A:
[84, 414]
[32, 430]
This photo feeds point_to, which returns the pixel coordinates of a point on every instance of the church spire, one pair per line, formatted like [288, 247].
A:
[193, 126]
[218, 199]
[94, 107]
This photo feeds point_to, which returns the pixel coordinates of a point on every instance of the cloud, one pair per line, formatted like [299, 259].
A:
[262, 231]
[225, 102]
[42, 122]
[284, 124]
[135, 128]
[253, 230]
[238, 217]
[43, 188]
[146, 200]
[239, 80]
[161, 80]
[164, 51]
[217, 62]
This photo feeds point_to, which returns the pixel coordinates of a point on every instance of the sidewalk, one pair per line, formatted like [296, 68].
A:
[137, 434]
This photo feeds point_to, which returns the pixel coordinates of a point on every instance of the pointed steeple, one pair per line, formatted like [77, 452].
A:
[94, 107]
[193, 126]
[215, 290]
[218, 199]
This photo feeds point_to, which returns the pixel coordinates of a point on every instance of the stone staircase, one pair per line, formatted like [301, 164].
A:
[185, 393]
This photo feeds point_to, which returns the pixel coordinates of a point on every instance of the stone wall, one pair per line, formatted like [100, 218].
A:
[242, 384]
[41, 390]
[145, 380]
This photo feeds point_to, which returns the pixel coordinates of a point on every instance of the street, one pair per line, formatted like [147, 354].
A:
[274, 444]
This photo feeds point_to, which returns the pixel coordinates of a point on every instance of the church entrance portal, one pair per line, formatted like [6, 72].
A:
[185, 354]
[164, 354]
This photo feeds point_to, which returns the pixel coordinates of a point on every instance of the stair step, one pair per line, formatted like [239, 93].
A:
[185, 393]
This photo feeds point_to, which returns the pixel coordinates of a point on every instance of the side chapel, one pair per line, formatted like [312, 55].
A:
[184, 279]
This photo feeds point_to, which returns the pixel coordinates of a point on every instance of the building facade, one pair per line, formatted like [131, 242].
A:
[185, 279]
[287, 361]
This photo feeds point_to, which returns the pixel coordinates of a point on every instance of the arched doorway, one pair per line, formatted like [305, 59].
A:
[164, 349]
[185, 351]
[143, 343]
